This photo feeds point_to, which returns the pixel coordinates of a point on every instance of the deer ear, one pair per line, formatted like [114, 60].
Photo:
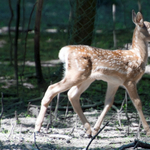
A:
[133, 16]
[139, 19]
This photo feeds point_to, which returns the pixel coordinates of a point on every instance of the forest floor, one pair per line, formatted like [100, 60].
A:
[67, 133]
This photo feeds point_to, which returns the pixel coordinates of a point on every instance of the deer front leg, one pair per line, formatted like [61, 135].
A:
[74, 96]
[51, 92]
[111, 91]
[132, 91]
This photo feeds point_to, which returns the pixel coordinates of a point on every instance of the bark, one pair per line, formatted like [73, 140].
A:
[39, 74]
[9, 32]
[135, 144]
[16, 44]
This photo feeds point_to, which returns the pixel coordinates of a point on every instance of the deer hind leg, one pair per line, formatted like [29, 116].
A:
[74, 96]
[132, 91]
[111, 91]
[51, 92]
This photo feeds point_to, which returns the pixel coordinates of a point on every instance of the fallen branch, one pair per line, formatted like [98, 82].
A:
[96, 135]
[135, 144]
[70, 107]
[35, 141]
[60, 136]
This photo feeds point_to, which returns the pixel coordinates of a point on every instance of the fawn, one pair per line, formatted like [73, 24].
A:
[85, 64]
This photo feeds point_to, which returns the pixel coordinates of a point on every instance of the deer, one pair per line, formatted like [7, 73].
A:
[85, 64]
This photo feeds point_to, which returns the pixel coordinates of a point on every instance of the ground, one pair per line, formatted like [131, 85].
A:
[67, 133]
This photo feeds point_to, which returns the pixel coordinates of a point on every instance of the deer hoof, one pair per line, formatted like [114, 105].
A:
[88, 133]
[94, 132]
[148, 133]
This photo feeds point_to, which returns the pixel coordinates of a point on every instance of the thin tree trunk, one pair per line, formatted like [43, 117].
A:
[16, 44]
[23, 15]
[9, 32]
[40, 78]
[114, 24]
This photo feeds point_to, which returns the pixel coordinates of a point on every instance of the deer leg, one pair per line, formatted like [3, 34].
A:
[51, 92]
[74, 96]
[132, 91]
[111, 91]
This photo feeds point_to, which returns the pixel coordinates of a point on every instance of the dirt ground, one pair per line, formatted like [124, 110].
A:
[67, 133]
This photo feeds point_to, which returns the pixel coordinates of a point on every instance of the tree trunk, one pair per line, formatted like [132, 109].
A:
[40, 78]
[114, 25]
[83, 22]
[9, 32]
[16, 44]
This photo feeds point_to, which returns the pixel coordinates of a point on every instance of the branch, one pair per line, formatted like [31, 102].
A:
[16, 44]
[35, 141]
[2, 106]
[9, 33]
[96, 135]
[135, 144]
[64, 107]
[26, 36]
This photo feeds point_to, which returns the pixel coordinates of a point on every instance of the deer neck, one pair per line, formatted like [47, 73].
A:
[139, 45]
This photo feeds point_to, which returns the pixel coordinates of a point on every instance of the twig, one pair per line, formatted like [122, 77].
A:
[16, 45]
[126, 111]
[35, 141]
[2, 111]
[123, 102]
[9, 33]
[57, 105]
[96, 135]
[76, 120]
[11, 130]
[63, 107]
[60, 136]
[138, 130]
[72, 131]
[50, 117]
[67, 109]
[20, 133]
[118, 114]
[26, 36]
[28, 107]
[16, 117]
[135, 144]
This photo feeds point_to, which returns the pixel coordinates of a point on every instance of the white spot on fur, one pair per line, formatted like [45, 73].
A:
[77, 64]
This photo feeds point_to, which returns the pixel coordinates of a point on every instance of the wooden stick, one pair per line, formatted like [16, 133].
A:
[135, 144]
[96, 135]
[2, 111]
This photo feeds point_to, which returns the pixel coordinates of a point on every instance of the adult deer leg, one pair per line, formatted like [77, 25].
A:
[74, 96]
[51, 92]
[111, 91]
[132, 91]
